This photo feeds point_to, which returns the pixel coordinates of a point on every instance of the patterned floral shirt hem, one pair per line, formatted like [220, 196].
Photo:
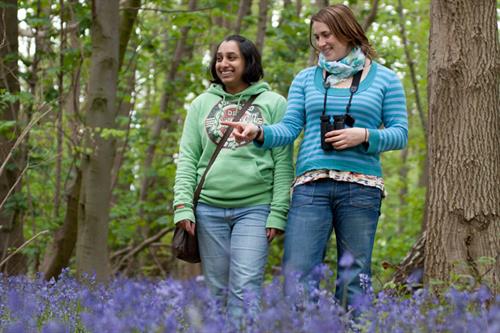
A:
[341, 176]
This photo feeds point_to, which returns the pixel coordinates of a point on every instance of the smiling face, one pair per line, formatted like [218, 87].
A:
[230, 66]
[332, 48]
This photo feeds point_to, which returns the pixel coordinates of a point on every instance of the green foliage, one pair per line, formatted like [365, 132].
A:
[7, 126]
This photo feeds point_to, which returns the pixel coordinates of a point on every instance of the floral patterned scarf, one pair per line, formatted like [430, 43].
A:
[344, 68]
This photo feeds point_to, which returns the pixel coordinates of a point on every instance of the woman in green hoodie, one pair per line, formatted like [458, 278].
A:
[245, 197]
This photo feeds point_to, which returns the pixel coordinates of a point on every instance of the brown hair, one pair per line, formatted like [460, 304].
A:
[344, 26]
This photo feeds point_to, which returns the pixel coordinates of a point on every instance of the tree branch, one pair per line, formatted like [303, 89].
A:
[141, 247]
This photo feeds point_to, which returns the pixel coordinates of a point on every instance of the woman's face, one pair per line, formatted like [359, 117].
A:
[332, 48]
[230, 66]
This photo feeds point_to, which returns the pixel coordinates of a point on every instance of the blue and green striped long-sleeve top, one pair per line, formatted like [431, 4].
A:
[379, 105]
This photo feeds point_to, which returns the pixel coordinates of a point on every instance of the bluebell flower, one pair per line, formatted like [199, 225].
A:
[347, 260]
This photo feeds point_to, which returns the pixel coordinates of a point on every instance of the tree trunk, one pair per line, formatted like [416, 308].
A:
[11, 225]
[129, 9]
[371, 16]
[410, 62]
[243, 10]
[262, 25]
[59, 119]
[403, 191]
[59, 252]
[463, 197]
[61, 249]
[298, 7]
[124, 108]
[97, 161]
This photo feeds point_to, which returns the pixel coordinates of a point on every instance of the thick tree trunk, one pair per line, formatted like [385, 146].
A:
[463, 198]
[97, 161]
[11, 225]
[60, 251]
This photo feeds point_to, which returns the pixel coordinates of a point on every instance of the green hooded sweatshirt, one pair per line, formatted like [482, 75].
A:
[242, 175]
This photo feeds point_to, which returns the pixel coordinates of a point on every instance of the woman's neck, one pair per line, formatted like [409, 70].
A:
[233, 90]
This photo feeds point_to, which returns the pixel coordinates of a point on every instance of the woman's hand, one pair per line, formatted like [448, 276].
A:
[187, 225]
[346, 138]
[272, 232]
[242, 131]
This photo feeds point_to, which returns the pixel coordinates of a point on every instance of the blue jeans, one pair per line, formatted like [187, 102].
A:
[320, 207]
[233, 249]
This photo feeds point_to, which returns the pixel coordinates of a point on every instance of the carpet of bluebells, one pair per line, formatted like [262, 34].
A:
[127, 305]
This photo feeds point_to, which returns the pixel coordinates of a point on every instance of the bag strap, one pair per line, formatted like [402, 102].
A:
[223, 140]
[354, 87]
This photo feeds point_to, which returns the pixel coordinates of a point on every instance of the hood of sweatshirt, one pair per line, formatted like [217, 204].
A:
[253, 89]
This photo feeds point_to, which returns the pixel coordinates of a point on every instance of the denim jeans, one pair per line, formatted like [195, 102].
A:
[320, 207]
[233, 249]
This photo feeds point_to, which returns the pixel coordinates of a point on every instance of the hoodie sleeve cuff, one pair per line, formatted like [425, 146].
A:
[184, 214]
[276, 220]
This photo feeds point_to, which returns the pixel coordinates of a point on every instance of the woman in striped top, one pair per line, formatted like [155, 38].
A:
[338, 185]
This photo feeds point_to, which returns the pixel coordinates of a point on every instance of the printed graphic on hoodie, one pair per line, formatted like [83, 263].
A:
[226, 111]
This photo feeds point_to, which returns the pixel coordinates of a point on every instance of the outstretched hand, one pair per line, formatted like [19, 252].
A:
[242, 131]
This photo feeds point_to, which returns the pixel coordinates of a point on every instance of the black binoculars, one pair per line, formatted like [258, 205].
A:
[339, 123]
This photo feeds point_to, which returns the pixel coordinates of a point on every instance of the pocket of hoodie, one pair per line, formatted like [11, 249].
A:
[235, 177]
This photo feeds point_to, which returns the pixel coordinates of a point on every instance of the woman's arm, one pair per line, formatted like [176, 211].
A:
[186, 174]
[280, 134]
[288, 129]
[283, 177]
[394, 135]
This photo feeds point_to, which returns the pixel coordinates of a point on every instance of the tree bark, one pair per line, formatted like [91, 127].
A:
[463, 197]
[11, 224]
[97, 161]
